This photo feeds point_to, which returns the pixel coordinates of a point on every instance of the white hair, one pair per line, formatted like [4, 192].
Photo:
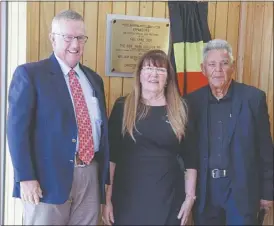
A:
[217, 44]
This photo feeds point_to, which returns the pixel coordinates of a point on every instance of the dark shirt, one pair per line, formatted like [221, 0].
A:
[219, 115]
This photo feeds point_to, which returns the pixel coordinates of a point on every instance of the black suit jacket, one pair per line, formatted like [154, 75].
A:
[249, 142]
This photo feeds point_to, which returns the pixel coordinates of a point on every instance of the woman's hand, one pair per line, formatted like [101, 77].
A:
[107, 215]
[185, 210]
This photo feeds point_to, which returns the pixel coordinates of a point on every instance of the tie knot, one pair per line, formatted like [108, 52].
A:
[71, 72]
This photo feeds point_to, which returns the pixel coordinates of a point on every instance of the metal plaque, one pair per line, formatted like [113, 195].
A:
[130, 39]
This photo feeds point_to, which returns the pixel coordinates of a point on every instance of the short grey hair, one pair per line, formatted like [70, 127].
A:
[217, 44]
[69, 15]
[66, 15]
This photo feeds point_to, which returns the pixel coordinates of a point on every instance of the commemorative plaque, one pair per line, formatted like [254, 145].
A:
[130, 39]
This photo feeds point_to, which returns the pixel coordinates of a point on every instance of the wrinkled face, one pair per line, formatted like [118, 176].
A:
[67, 48]
[218, 68]
[153, 78]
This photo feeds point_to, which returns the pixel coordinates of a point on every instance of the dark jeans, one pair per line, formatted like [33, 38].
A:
[221, 208]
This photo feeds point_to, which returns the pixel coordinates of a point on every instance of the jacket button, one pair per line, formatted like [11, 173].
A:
[73, 140]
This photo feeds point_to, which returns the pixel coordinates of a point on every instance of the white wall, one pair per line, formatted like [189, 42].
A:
[16, 55]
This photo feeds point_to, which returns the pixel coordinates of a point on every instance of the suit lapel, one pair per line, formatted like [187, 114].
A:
[236, 108]
[58, 81]
[204, 122]
[97, 90]
[91, 80]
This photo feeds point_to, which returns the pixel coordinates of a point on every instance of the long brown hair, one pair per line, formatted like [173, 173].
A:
[135, 109]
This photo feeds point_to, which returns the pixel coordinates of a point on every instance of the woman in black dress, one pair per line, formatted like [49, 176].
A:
[148, 130]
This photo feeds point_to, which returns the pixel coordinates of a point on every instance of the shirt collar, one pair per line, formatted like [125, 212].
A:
[228, 95]
[66, 69]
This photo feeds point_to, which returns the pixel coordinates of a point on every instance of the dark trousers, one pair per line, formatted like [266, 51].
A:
[221, 208]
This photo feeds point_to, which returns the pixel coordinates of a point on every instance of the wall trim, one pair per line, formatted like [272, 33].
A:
[3, 103]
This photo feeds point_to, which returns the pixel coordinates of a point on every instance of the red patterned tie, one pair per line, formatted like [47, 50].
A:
[85, 139]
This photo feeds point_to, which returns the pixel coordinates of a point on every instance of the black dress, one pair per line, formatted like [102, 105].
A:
[148, 187]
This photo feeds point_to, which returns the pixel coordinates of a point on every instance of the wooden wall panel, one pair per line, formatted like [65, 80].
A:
[91, 15]
[248, 26]
[233, 28]
[212, 16]
[256, 43]
[60, 6]
[104, 9]
[146, 9]
[159, 9]
[116, 83]
[266, 62]
[33, 29]
[77, 6]
[132, 9]
[221, 20]
[270, 88]
[241, 42]
[266, 37]
[46, 14]
[248, 43]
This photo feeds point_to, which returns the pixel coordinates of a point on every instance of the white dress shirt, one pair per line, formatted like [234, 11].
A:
[91, 100]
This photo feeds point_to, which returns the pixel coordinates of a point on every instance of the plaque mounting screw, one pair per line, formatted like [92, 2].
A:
[114, 21]
[167, 25]
[112, 70]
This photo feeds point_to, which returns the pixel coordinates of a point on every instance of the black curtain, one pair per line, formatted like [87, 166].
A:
[188, 21]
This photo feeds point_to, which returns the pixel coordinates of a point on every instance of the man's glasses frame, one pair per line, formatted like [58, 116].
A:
[69, 38]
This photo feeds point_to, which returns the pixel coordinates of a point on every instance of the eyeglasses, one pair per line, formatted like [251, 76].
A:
[159, 70]
[69, 38]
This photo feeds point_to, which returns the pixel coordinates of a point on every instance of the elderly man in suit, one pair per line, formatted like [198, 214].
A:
[235, 176]
[57, 132]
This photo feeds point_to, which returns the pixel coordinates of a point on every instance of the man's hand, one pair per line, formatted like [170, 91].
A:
[266, 204]
[107, 214]
[31, 191]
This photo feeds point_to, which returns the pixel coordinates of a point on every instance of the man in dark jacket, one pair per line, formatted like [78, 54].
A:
[235, 177]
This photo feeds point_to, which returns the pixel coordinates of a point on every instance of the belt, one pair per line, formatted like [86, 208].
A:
[217, 173]
[78, 162]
